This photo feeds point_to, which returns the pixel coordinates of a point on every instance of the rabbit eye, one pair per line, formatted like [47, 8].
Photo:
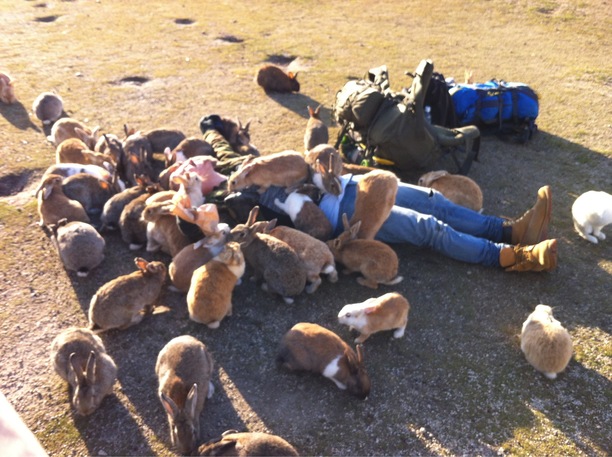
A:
[348, 314]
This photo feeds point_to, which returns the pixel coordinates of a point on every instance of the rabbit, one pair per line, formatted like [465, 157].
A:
[306, 215]
[68, 169]
[48, 107]
[376, 261]
[238, 136]
[122, 302]
[189, 147]
[189, 188]
[7, 89]
[591, 212]
[315, 254]
[283, 169]
[91, 192]
[162, 230]
[272, 260]
[311, 347]
[247, 444]
[184, 369]
[111, 146]
[163, 138]
[132, 226]
[274, 79]
[194, 255]
[68, 127]
[111, 212]
[209, 298]
[326, 165]
[79, 357]
[74, 150]
[204, 168]
[137, 157]
[316, 130]
[547, 345]
[387, 312]
[376, 192]
[457, 188]
[54, 205]
[80, 246]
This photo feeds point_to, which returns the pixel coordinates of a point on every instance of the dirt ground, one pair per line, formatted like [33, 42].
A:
[457, 383]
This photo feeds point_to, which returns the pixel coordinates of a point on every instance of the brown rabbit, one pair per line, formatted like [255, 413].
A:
[111, 212]
[48, 107]
[547, 345]
[131, 223]
[326, 165]
[54, 205]
[272, 260]
[7, 89]
[91, 192]
[310, 347]
[283, 169]
[68, 127]
[315, 254]
[376, 261]
[247, 444]
[209, 298]
[274, 79]
[162, 230]
[162, 138]
[387, 312]
[189, 147]
[376, 192]
[184, 369]
[457, 188]
[80, 358]
[123, 301]
[306, 216]
[316, 130]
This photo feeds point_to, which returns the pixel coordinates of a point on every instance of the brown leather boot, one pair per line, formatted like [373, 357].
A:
[532, 227]
[538, 257]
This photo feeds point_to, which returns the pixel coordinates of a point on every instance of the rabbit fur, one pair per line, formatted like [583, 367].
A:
[132, 226]
[316, 130]
[387, 312]
[48, 107]
[162, 138]
[91, 192]
[547, 345]
[326, 165]
[184, 369]
[79, 357]
[189, 147]
[306, 216]
[123, 301]
[54, 205]
[111, 212]
[315, 255]
[79, 245]
[162, 230]
[457, 188]
[7, 89]
[274, 79]
[68, 127]
[591, 212]
[209, 298]
[247, 444]
[271, 259]
[311, 347]
[376, 261]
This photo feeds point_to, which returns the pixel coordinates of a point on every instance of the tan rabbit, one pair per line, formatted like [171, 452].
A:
[54, 205]
[123, 301]
[68, 127]
[275, 79]
[457, 188]
[162, 230]
[387, 312]
[7, 89]
[48, 107]
[91, 192]
[79, 245]
[189, 147]
[209, 298]
[316, 130]
[272, 260]
[283, 169]
[247, 444]
[376, 192]
[194, 255]
[306, 216]
[80, 358]
[74, 150]
[310, 347]
[376, 261]
[184, 369]
[547, 345]
[326, 165]
[315, 254]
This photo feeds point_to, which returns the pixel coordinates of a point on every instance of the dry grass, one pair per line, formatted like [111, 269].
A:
[457, 384]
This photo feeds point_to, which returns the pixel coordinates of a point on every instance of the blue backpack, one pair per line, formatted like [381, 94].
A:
[507, 109]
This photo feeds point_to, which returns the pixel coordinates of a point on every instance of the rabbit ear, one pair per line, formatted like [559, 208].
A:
[169, 405]
[354, 230]
[75, 373]
[47, 189]
[360, 354]
[370, 309]
[141, 263]
[90, 372]
[345, 222]
[192, 400]
[270, 225]
[252, 216]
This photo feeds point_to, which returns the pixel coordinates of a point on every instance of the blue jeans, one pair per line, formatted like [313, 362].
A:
[424, 217]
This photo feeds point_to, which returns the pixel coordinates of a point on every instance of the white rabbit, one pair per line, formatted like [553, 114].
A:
[547, 345]
[591, 212]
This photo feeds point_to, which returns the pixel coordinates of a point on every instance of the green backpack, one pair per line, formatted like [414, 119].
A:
[393, 129]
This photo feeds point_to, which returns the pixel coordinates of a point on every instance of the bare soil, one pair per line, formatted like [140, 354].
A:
[457, 383]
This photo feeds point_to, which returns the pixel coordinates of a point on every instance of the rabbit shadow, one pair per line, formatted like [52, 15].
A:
[18, 116]
[298, 102]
